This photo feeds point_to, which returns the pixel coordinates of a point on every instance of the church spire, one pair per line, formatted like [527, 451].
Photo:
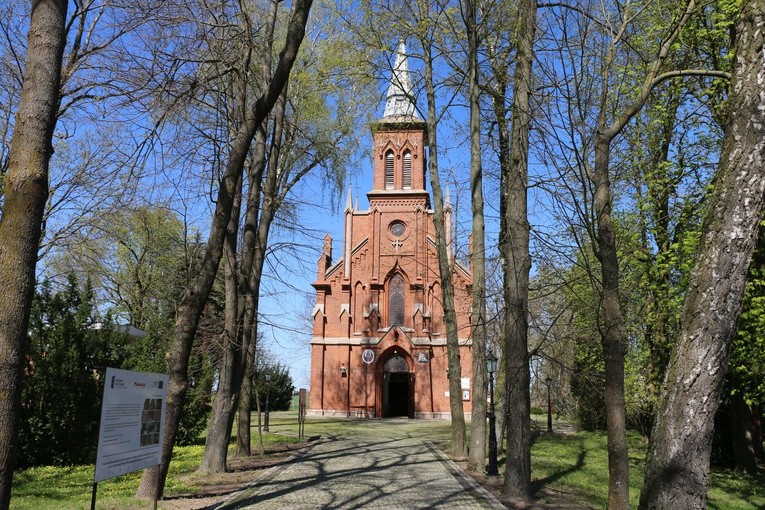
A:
[400, 98]
[349, 201]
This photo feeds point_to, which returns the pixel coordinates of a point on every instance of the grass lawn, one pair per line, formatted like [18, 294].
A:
[69, 488]
[578, 465]
[574, 465]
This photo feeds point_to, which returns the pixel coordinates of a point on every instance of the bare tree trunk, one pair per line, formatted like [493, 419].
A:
[243, 436]
[153, 480]
[252, 269]
[613, 338]
[741, 426]
[677, 465]
[261, 450]
[218, 429]
[249, 320]
[477, 450]
[604, 238]
[499, 98]
[242, 315]
[459, 435]
[514, 248]
[26, 191]
[255, 255]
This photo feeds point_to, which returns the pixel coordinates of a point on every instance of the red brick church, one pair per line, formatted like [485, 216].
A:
[379, 342]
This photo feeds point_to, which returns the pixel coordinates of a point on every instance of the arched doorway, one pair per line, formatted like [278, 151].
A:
[397, 385]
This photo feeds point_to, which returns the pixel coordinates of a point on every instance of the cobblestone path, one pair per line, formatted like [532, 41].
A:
[382, 469]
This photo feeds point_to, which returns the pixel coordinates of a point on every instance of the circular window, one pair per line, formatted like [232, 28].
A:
[397, 228]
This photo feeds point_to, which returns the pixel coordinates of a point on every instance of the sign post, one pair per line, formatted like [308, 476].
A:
[301, 414]
[132, 424]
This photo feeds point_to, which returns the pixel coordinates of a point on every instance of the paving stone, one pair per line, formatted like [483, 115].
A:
[382, 469]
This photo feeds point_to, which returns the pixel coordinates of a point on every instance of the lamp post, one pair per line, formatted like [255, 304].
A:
[548, 381]
[268, 390]
[491, 367]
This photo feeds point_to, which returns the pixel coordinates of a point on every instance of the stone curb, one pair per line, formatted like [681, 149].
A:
[464, 479]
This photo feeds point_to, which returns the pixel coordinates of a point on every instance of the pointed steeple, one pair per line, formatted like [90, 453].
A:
[349, 200]
[400, 99]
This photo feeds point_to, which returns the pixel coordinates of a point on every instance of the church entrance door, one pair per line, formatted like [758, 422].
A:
[397, 387]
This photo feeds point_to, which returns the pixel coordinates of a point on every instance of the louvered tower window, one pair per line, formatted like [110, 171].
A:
[407, 170]
[389, 170]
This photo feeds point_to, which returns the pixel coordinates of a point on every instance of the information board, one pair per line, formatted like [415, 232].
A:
[132, 422]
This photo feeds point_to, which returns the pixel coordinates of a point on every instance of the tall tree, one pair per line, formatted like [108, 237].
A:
[666, 153]
[309, 139]
[25, 188]
[496, 36]
[236, 336]
[304, 135]
[190, 310]
[677, 465]
[477, 451]
[613, 110]
[427, 13]
[246, 284]
[614, 336]
[514, 249]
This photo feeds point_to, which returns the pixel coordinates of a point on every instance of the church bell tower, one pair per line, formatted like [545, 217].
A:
[379, 341]
[399, 140]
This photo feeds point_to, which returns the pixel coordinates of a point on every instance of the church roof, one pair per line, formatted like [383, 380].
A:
[399, 105]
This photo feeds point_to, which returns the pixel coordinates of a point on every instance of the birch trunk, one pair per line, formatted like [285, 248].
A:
[677, 465]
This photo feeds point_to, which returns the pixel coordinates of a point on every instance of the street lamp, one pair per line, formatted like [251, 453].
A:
[549, 381]
[268, 390]
[491, 367]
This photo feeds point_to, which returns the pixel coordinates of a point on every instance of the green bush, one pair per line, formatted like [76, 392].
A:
[63, 377]
[279, 388]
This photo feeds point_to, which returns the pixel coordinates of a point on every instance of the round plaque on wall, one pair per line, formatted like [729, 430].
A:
[368, 356]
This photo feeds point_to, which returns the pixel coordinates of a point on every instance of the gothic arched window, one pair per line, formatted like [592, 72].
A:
[389, 170]
[358, 305]
[407, 170]
[396, 300]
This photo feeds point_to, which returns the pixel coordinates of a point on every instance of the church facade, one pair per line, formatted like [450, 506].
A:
[379, 343]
